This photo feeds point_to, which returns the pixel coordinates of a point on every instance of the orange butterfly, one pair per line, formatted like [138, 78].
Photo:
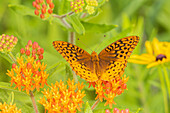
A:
[109, 64]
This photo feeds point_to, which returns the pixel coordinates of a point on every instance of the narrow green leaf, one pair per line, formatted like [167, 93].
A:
[10, 98]
[97, 28]
[5, 56]
[77, 25]
[21, 9]
[87, 108]
[4, 95]
[4, 85]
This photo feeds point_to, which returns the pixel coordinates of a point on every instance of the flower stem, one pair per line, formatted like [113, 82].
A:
[63, 16]
[33, 102]
[166, 79]
[163, 90]
[65, 23]
[71, 39]
[12, 57]
[95, 104]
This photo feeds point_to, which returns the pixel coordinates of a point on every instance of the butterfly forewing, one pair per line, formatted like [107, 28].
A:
[113, 59]
[79, 59]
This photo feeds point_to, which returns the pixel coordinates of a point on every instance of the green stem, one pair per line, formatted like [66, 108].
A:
[166, 79]
[95, 104]
[163, 90]
[12, 57]
[71, 39]
[33, 102]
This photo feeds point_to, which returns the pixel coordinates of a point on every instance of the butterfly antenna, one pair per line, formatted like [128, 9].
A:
[85, 44]
[99, 44]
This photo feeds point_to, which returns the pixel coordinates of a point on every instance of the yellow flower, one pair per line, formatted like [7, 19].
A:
[28, 75]
[157, 53]
[63, 98]
[77, 6]
[108, 90]
[90, 9]
[5, 108]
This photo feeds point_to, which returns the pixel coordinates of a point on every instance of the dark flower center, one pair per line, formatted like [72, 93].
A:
[160, 57]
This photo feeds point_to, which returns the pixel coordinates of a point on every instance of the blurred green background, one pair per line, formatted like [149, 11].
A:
[144, 18]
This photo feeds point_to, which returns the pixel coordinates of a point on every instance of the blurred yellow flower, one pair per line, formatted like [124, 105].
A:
[157, 53]
[63, 98]
[5, 108]
[28, 75]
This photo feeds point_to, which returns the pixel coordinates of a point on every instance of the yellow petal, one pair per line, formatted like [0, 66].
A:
[149, 47]
[156, 46]
[152, 64]
[138, 61]
[143, 57]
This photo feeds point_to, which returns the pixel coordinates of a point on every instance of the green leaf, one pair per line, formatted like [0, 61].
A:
[97, 28]
[21, 9]
[52, 69]
[64, 7]
[77, 25]
[5, 56]
[87, 108]
[99, 111]
[6, 86]
[69, 72]
[10, 98]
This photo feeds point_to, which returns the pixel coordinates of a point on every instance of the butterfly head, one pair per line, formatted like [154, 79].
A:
[94, 56]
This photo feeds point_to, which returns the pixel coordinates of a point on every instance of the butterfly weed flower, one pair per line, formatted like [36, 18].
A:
[63, 98]
[33, 49]
[43, 7]
[28, 75]
[157, 53]
[9, 108]
[7, 43]
[108, 90]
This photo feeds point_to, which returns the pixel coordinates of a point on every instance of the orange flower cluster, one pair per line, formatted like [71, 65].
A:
[116, 110]
[43, 6]
[5, 108]
[28, 75]
[63, 98]
[33, 49]
[108, 90]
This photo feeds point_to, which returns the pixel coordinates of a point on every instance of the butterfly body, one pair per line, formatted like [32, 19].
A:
[107, 65]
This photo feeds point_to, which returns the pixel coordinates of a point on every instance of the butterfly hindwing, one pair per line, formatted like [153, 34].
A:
[109, 64]
[79, 59]
[114, 57]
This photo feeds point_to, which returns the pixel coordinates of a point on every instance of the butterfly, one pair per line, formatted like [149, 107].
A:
[107, 65]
